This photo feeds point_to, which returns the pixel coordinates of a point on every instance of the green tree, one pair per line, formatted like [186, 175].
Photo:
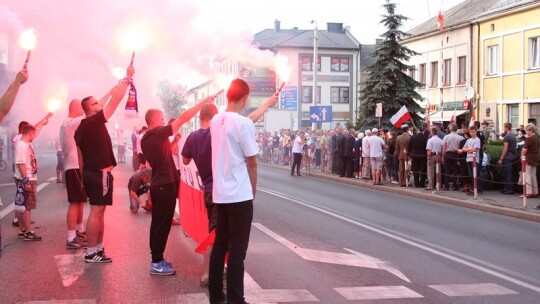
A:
[388, 81]
[172, 96]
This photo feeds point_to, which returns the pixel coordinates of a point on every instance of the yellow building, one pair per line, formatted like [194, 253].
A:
[508, 64]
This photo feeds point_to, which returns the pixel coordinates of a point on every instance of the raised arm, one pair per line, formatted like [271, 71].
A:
[8, 98]
[259, 112]
[117, 93]
[42, 122]
[189, 113]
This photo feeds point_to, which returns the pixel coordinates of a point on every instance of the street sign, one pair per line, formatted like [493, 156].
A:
[378, 109]
[289, 98]
[320, 114]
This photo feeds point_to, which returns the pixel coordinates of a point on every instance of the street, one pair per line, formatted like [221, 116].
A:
[311, 241]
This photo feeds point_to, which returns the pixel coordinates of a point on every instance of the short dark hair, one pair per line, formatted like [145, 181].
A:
[237, 90]
[508, 125]
[27, 129]
[84, 103]
[22, 124]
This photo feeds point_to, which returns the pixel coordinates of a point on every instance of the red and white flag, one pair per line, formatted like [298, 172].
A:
[400, 117]
[453, 118]
[473, 119]
[440, 21]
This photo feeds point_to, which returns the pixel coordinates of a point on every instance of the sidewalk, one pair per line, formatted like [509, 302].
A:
[490, 201]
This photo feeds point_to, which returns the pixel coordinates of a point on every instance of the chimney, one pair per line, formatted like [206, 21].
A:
[277, 25]
[334, 27]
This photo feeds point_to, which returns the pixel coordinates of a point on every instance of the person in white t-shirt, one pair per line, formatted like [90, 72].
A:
[234, 173]
[376, 148]
[298, 150]
[76, 234]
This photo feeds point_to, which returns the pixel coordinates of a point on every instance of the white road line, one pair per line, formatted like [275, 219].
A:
[188, 298]
[10, 207]
[354, 258]
[405, 241]
[52, 178]
[467, 290]
[377, 293]
[255, 294]
[7, 184]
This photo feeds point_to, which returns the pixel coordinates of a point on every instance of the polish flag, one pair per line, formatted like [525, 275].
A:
[440, 21]
[400, 117]
[473, 119]
[453, 119]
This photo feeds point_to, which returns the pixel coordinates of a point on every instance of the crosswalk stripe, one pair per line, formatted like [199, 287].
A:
[462, 290]
[377, 293]
[188, 298]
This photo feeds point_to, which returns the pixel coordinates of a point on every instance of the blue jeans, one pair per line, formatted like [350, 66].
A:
[508, 176]
[232, 235]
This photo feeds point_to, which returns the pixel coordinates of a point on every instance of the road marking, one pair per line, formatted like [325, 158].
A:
[11, 206]
[401, 239]
[80, 301]
[188, 298]
[255, 294]
[377, 293]
[7, 184]
[52, 178]
[466, 290]
[353, 258]
[70, 267]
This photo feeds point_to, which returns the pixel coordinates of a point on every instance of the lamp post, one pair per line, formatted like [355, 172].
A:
[315, 57]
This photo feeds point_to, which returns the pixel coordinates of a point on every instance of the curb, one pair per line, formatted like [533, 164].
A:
[430, 196]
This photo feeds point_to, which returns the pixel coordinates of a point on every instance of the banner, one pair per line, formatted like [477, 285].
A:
[132, 108]
[193, 216]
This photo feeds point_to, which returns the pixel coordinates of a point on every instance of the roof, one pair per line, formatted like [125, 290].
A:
[462, 13]
[295, 38]
[506, 5]
[366, 55]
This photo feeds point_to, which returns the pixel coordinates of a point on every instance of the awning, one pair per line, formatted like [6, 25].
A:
[446, 115]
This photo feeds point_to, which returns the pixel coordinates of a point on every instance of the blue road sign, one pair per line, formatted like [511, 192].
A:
[320, 114]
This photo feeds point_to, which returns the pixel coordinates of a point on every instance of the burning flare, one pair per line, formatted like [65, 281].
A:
[28, 39]
[53, 104]
[118, 72]
[283, 71]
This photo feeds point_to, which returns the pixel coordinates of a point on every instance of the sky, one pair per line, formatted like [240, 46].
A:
[80, 42]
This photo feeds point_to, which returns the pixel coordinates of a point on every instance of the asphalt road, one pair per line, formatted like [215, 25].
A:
[312, 241]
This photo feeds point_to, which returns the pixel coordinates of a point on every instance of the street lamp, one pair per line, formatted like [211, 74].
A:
[315, 57]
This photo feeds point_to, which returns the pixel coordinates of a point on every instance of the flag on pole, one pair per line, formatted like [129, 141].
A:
[453, 118]
[473, 119]
[400, 117]
[440, 21]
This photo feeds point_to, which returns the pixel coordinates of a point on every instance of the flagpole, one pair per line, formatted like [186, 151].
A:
[440, 19]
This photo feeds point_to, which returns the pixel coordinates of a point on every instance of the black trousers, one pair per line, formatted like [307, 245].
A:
[232, 235]
[419, 168]
[163, 203]
[335, 162]
[297, 160]
[451, 168]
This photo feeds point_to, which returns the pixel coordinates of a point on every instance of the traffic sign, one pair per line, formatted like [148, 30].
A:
[378, 109]
[320, 114]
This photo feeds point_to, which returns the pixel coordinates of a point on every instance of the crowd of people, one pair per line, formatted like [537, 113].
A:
[409, 155]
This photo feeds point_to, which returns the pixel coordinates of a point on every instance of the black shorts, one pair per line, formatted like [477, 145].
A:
[60, 163]
[75, 187]
[99, 187]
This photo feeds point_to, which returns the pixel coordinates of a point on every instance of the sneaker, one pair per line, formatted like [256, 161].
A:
[77, 243]
[167, 263]
[31, 236]
[96, 257]
[15, 223]
[81, 235]
[21, 234]
[161, 269]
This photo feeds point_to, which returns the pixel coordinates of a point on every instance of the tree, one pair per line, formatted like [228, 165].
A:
[173, 97]
[388, 82]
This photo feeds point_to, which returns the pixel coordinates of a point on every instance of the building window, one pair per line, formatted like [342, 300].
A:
[493, 62]
[462, 69]
[513, 115]
[534, 53]
[339, 94]
[422, 76]
[307, 63]
[339, 64]
[307, 92]
[434, 73]
[447, 72]
[412, 73]
[534, 112]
